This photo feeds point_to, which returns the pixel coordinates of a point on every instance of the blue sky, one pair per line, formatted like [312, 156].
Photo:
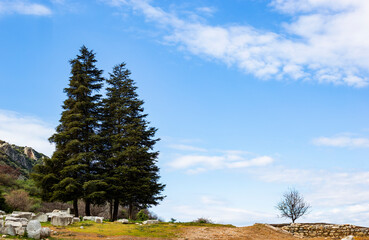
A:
[251, 97]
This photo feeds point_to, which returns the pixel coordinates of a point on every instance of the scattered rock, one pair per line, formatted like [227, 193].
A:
[15, 219]
[76, 219]
[99, 219]
[124, 221]
[92, 218]
[27, 215]
[13, 224]
[45, 232]
[42, 217]
[61, 220]
[34, 229]
[150, 222]
[81, 227]
[9, 230]
[20, 231]
[2, 212]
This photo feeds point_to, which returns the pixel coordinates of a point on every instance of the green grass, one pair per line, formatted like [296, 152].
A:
[116, 229]
[161, 230]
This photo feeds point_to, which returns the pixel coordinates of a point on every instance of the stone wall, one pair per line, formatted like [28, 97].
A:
[323, 230]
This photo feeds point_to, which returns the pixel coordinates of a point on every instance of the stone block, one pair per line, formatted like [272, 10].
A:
[42, 217]
[45, 232]
[27, 215]
[124, 221]
[13, 224]
[99, 219]
[150, 222]
[34, 229]
[20, 231]
[61, 220]
[9, 230]
[15, 219]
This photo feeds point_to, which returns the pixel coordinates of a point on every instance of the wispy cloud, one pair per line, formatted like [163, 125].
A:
[336, 196]
[206, 10]
[197, 163]
[23, 7]
[327, 188]
[325, 42]
[26, 131]
[342, 141]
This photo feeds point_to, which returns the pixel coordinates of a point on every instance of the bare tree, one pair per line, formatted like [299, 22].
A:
[293, 205]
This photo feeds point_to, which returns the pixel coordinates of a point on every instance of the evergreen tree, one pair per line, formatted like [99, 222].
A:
[129, 159]
[76, 138]
[46, 175]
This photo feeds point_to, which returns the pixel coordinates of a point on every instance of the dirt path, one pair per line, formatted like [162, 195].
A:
[256, 232]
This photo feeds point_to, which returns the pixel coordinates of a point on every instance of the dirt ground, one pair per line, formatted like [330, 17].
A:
[255, 232]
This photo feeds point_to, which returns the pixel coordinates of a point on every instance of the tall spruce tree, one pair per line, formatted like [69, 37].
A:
[76, 137]
[130, 162]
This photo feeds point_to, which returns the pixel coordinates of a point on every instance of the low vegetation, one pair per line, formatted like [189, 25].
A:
[161, 230]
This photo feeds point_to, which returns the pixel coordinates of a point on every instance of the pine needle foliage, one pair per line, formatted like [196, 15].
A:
[130, 161]
[76, 137]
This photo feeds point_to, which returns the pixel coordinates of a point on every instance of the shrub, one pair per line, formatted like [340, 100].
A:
[7, 180]
[3, 205]
[203, 220]
[19, 200]
[142, 216]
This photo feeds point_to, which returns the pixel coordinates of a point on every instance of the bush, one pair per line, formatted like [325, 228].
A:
[7, 180]
[142, 216]
[19, 200]
[203, 220]
[3, 205]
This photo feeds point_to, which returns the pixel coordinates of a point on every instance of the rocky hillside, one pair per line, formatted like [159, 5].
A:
[21, 159]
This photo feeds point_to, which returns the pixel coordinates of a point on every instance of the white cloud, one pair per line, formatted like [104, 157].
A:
[26, 131]
[206, 10]
[325, 42]
[342, 141]
[23, 7]
[196, 163]
[326, 188]
[209, 200]
[336, 197]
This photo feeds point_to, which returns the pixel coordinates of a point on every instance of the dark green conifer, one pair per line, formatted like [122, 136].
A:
[130, 161]
[76, 138]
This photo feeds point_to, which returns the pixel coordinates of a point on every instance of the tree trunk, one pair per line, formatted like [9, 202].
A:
[115, 211]
[130, 211]
[75, 206]
[87, 207]
[111, 210]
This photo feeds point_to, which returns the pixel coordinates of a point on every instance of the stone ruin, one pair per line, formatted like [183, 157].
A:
[19, 223]
[324, 230]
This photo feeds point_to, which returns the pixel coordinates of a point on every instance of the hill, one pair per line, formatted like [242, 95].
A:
[18, 160]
